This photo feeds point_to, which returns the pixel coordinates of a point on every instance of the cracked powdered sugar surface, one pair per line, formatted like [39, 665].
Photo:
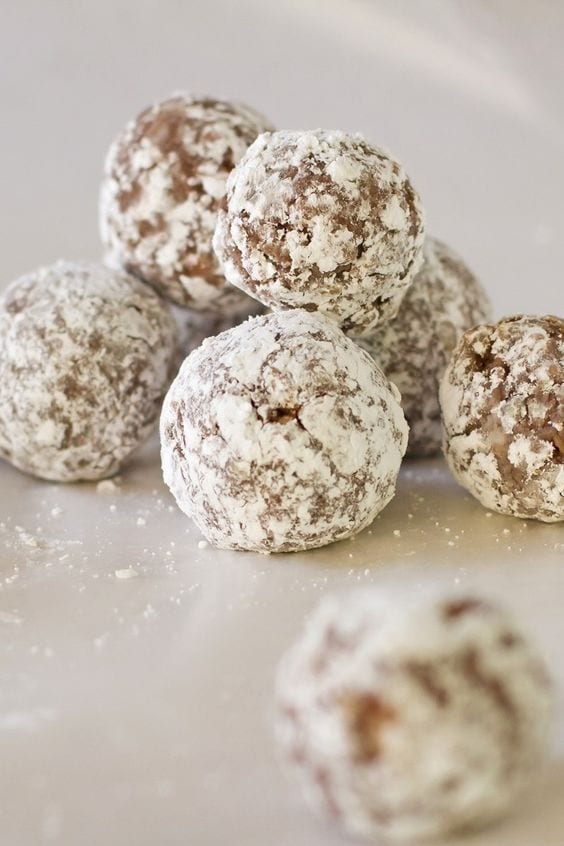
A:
[323, 221]
[86, 355]
[195, 326]
[414, 718]
[413, 349]
[281, 434]
[164, 180]
[502, 401]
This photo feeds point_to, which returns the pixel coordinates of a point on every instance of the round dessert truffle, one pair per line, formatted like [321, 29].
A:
[195, 326]
[502, 402]
[321, 221]
[411, 719]
[164, 180]
[85, 359]
[281, 435]
[413, 349]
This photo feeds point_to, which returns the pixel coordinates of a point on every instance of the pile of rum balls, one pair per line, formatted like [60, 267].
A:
[273, 297]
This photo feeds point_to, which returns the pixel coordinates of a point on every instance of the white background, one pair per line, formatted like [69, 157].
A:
[137, 712]
[467, 94]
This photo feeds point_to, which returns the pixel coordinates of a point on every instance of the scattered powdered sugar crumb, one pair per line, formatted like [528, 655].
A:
[149, 612]
[107, 486]
[126, 573]
[10, 618]
[203, 544]
[26, 721]
[100, 642]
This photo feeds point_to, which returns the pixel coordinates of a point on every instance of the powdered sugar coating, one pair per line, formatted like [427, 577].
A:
[164, 179]
[322, 221]
[502, 401]
[411, 719]
[195, 326]
[281, 435]
[413, 349]
[85, 359]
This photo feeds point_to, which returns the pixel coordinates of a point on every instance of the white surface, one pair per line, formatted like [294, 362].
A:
[136, 710]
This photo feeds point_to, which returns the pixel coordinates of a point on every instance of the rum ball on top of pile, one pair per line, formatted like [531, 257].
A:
[322, 221]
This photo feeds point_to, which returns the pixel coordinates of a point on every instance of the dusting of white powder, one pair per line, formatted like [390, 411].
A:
[281, 434]
[86, 354]
[411, 718]
[194, 327]
[413, 349]
[164, 179]
[324, 221]
[502, 401]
